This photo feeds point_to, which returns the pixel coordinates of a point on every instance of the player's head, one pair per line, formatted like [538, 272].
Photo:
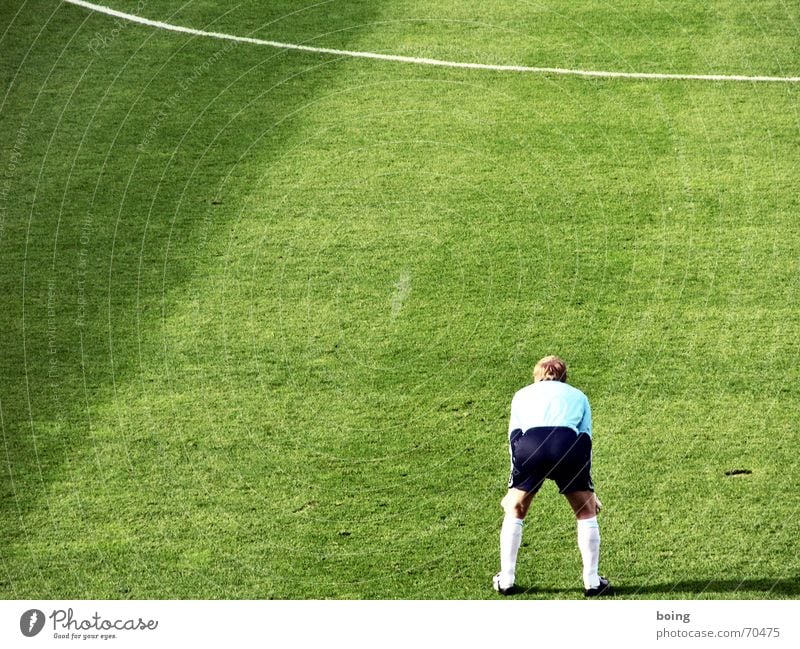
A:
[550, 368]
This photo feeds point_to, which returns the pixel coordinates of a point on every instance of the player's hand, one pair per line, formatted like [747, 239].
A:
[597, 505]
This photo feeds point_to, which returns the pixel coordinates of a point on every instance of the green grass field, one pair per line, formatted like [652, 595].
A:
[263, 312]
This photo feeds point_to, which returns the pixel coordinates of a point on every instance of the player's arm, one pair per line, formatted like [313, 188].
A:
[585, 425]
[514, 421]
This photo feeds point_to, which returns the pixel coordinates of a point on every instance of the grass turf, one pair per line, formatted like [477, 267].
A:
[264, 312]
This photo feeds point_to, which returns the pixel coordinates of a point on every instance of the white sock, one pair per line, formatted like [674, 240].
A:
[510, 540]
[589, 545]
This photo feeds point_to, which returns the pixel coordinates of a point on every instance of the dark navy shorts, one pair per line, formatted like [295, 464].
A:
[551, 453]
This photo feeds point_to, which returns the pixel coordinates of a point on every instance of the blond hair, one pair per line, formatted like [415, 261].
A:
[550, 368]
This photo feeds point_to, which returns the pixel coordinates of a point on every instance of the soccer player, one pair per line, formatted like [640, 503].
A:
[550, 437]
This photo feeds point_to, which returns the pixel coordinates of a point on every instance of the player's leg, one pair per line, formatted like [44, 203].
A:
[515, 504]
[585, 505]
[528, 472]
[575, 482]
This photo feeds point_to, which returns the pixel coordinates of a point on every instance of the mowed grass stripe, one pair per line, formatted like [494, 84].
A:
[64, 392]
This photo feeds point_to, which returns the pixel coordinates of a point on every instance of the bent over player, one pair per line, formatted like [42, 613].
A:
[550, 437]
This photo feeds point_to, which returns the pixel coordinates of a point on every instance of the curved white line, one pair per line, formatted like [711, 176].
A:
[422, 61]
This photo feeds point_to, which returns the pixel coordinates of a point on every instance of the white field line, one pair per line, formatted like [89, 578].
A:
[422, 61]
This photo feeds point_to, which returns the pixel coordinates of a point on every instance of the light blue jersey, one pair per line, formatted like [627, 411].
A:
[550, 403]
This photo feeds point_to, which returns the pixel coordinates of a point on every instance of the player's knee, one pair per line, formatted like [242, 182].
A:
[514, 507]
[520, 510]
[583, 503]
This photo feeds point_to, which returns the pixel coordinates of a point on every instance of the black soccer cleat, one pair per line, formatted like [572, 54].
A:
[602, 590]
[499, 589]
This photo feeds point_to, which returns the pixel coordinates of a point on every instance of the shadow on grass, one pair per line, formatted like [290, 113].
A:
[699, 587]
[159, 149]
